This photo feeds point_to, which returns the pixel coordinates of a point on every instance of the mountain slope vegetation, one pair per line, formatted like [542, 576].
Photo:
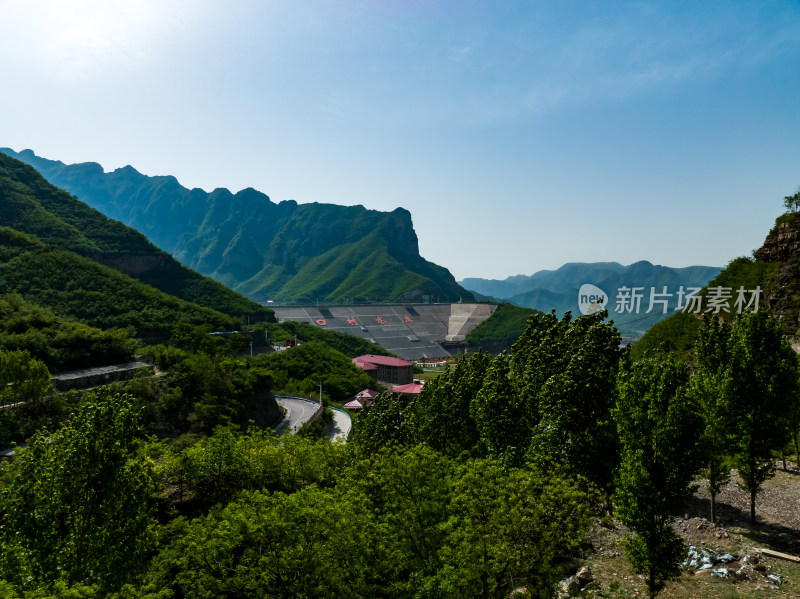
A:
[61, 343]
[29, 204]
[73, 286]
[266, 251]
[501, 330]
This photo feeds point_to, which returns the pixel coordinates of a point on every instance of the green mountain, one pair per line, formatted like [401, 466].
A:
[31, 205]
[572, 274]
[266, 251]
[59, 254]
[559, 289]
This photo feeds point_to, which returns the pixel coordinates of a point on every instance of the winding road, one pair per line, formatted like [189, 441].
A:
[299, 411]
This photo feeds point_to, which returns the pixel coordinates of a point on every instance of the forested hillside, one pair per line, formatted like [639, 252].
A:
[501, 330]
[30, 204]
[497, 479]
[79, 288]
[60, 342]
[267, 251]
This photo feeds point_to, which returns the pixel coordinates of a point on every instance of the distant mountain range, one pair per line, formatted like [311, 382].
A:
[559, 289]
[286, 252]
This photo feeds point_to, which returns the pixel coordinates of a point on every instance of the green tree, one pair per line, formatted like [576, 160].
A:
[218, 467]
[300, 370]
[575, 427]
[383, 423]
[76, 504]
[761, 382]
[536, 356]
[441, 412]
[22, 378]
[509, 529]
[708, 387]
[408, 492]
[499, 414]
[792, 203]
[313, 543]
[659, 428]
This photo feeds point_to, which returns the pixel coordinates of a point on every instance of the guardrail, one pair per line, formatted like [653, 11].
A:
[316, 413]
[350, 430]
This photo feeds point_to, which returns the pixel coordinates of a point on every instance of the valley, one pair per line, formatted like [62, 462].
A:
[530, 398]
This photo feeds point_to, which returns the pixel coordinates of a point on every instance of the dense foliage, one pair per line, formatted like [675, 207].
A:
[81, 289]
[75, 506]
[549, 400]
[480, 486]
[60, 342]
[303, 368]
[673, 336]
[200, 391]
[22, 378]
[501, 329]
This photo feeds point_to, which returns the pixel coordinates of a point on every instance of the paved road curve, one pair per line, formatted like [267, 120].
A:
[299, 411]
[341, 425]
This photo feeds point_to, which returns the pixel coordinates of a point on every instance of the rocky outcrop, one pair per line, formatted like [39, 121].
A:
[781, 281]
[783, 242]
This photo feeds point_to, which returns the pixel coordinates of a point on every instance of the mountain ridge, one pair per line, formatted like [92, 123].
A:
[259, 248]
[558, 289]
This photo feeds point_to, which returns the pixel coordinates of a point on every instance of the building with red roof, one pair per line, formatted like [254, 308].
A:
[409, 389]
[385, 368]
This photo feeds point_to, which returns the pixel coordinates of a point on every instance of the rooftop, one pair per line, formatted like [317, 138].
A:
[379, 361]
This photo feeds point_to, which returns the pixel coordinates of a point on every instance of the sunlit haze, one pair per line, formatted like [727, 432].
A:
[520, 135]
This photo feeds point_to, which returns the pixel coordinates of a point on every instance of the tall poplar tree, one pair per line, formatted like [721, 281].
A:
[708, 386]
[659, 428]
[761, 382]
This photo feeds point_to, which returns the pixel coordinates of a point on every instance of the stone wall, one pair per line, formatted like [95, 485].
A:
[92, 377]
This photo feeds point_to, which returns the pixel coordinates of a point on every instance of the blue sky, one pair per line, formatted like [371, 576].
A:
[520, 135]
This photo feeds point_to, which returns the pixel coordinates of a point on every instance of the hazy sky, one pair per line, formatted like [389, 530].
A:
[520, 135]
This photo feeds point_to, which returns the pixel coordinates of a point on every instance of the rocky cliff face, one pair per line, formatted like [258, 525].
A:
[783, 242]
[781, 283]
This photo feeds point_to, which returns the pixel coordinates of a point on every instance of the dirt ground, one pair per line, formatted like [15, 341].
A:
[743, 572]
